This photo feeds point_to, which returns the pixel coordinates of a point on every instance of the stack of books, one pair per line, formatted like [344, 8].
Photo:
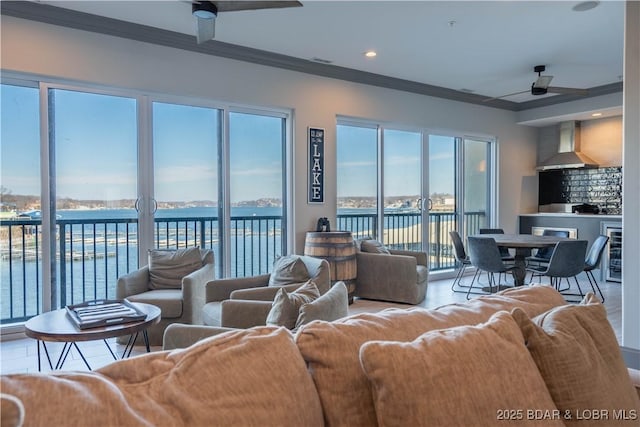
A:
[92, 314]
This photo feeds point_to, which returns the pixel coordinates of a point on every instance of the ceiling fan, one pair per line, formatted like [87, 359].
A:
[206, 12]
[541, 86]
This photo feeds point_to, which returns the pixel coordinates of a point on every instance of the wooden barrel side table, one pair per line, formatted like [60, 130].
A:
[339, 249]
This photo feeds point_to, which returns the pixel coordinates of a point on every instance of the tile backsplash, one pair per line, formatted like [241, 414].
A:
[601, 186]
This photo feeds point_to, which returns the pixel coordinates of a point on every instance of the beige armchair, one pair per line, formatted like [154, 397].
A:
[175, 282]
[245, 302]
[396, 276]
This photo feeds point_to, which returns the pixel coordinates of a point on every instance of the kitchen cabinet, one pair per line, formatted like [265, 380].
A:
[586, 227]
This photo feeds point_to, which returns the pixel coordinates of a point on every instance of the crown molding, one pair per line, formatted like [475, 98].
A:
[114, 27]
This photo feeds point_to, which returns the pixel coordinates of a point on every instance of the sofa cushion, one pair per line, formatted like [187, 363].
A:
[286, 306]
[373, 246]
[168, 267]
[216, 382]
[288, 269]
[169, 301]
[331, 349]
[461, 376]
[577, 352]
[333, 305]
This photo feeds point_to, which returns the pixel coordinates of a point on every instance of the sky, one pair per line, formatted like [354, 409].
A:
[96, 153]
[357, 159]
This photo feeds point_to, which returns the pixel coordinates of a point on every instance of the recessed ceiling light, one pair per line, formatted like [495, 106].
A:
[370, 54]
[585, 5]
[596, 114]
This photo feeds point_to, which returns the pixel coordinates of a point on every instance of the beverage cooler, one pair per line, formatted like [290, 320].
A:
[612, 257]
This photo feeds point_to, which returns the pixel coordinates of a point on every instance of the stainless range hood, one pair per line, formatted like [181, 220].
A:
[568, 155]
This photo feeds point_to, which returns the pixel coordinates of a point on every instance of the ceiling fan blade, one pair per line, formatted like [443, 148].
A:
[205, 29]
[568, 90]
[231, 6]
[543, 82]
[505, 96]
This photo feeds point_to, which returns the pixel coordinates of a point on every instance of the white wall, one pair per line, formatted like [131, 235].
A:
[48, 50]
[631, 180]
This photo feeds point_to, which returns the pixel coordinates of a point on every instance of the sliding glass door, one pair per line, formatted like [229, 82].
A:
[186, 156]
[21, 263]
[93, 139]
[256, 192]
[444, 208]
[357, 178]
[404, 198]
[420, 178]
[92, 179]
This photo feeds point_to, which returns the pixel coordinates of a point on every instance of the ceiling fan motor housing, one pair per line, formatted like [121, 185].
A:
[204, 10]
[538, 90]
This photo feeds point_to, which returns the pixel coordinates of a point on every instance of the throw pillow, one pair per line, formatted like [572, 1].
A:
[286, 306]
[253, 377]
[168, 267]
[333, 305]
[577, 353]
[288, 269]
[331, 349]
[468, 375]
[373, 246]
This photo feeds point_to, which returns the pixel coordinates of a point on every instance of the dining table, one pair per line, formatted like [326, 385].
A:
[523, 244]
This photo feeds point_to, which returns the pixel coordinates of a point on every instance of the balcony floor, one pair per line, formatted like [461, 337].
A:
[20, 355]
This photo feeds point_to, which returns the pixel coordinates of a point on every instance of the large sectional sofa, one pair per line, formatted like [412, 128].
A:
[522, 356]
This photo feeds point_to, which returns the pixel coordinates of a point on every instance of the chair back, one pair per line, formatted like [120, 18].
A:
[458, 246]
[503, 251]
[567, 259]
[595, 252]
[485, 255]
[546, 252]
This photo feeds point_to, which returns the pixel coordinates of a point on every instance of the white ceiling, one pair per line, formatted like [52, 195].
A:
[490, 48]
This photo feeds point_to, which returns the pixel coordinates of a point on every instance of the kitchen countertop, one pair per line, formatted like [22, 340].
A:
[569, 214]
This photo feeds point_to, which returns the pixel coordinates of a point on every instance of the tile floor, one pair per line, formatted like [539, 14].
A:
[20, 355]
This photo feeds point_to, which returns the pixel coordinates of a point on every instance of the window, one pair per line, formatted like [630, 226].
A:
[128, 173]
[421, 177]
[20, 209]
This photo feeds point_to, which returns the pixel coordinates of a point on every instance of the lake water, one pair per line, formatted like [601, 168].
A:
[96, 255]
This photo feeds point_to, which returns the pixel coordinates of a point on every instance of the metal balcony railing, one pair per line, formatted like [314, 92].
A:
[403, 230]
[92, 253]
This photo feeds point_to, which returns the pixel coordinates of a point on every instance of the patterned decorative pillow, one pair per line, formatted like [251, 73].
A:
[577, 353]
[288, 269]
[286, 306]
[374, 247]
[462, 376]
[168, 267]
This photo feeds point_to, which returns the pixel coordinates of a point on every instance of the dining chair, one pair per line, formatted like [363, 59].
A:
[463, 261]
[593, 261]
[484, 254]
[567, 260]
[543, 255]
[504, 252]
